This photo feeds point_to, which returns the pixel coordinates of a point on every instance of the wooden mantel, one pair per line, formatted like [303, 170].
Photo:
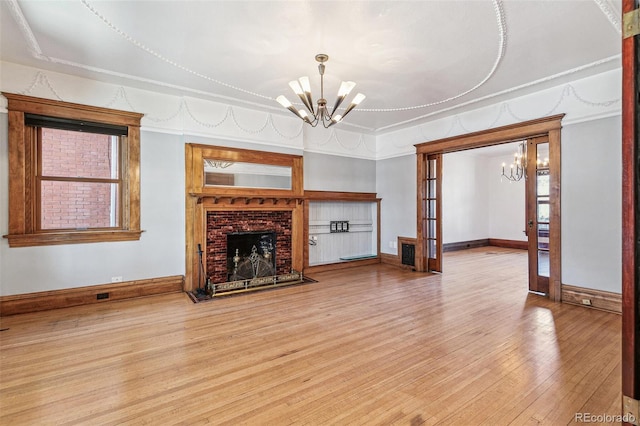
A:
[201, 199]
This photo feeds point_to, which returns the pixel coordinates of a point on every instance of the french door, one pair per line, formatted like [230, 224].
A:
[538, 213]
[432, 222]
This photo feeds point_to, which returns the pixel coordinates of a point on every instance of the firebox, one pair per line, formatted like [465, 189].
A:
[251, 255]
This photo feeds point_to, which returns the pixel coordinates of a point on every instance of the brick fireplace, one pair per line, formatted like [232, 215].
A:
[220, 224]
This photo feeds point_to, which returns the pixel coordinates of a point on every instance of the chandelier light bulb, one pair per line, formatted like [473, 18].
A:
[295, 86]
[358, 98]
[345, 88]
[304, 83]
[282, 100]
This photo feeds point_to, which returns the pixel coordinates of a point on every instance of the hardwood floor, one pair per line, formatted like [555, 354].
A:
[373, 345]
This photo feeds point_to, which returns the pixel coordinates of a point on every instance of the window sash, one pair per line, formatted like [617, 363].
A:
[114, 203]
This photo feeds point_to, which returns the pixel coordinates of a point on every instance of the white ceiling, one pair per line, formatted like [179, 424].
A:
[411, 58]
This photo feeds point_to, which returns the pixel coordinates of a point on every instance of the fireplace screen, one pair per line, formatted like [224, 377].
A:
[251, 255]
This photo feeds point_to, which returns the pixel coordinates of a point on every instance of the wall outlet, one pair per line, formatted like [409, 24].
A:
[586, 302]
[116, 279]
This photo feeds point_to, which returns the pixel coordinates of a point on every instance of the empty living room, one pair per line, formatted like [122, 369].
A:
[319, 212]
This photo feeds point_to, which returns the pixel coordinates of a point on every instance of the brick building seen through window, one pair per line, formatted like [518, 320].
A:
[79, 180]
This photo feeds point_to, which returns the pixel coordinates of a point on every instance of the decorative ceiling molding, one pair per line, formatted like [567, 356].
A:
[502, 35]
[611, 12]
[163, 58]
[607, 7]
[37, 52]
[581, 100]
[25, 29]
[502, 47]
[505, 92]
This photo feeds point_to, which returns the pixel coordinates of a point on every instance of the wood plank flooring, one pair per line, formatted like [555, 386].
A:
[375, 345]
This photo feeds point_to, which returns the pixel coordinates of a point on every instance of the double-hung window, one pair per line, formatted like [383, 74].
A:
[74, 173]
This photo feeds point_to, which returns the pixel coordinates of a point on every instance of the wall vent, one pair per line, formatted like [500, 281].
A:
[408, 254]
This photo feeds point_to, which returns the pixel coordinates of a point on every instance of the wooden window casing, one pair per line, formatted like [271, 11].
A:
[24, 208]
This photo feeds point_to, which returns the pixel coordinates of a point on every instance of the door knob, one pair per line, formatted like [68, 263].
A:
[530, 223]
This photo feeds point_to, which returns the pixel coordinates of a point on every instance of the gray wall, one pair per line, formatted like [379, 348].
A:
[333, 173]
[592, 204]
[591, 212]
[396, 185]
[159, 252]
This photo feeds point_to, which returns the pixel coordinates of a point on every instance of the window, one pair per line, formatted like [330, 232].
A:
[74, 173]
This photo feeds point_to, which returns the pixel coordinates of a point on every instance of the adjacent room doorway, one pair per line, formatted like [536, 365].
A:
[543, 197]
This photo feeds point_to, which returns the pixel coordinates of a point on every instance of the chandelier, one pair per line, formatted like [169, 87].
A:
[517, 169]
[320, 113]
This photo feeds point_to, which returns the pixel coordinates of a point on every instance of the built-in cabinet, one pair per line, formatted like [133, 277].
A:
[342, 229]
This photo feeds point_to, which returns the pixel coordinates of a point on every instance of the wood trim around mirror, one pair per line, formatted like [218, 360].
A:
[195, 179]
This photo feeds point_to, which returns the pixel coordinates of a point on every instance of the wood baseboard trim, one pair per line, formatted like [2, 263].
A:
[390, 259]
[514, 244]
[394, 260]
[341, 265]
[55, 299]
[463, 245]
[598, 299]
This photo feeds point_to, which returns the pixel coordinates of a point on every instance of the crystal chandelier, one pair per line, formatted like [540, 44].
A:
[517, 169]
[320, 114]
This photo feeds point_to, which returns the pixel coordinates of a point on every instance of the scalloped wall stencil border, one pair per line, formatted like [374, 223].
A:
[580, 100]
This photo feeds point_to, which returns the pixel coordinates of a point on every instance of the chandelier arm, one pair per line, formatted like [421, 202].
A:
[349, 109]
[305, 101]
[309, 102]
[337, 104]
[294, 111]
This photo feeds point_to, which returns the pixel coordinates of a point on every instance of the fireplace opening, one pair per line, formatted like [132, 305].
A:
[251, 255]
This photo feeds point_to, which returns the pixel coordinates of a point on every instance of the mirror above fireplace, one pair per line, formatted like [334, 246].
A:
[214, 171]
[246, 175]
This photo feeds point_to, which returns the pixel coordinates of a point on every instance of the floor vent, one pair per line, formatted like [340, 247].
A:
[408, 254]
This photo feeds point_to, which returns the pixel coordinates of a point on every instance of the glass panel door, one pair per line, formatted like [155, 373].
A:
[433, 212]
[538, 213]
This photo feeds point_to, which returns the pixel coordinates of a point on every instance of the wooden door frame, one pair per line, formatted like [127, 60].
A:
[546, 126]
[630, 217]
[531, 200]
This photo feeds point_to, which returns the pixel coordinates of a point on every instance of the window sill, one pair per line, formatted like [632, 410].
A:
[70, 237]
